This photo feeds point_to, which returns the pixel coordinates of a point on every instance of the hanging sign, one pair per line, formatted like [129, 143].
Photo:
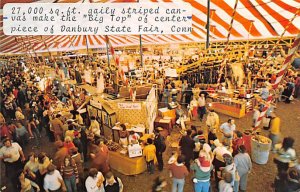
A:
[132, 106]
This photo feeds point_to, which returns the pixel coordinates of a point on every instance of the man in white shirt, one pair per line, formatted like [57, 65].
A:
[201, 106]
[53, 180]
[94, 182]
[13, 156]
[227, 129]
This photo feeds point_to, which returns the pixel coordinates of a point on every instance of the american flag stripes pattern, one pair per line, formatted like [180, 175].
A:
[288, 60]
[280, 74]
[263, 112]
[121, 72]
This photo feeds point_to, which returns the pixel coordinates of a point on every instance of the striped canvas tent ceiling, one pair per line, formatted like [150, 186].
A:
[268, 18]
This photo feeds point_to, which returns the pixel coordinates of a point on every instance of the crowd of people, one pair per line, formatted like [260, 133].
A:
[26, 117]
[81, 161]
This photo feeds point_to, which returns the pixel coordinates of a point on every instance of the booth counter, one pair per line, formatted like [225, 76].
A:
[233, 108]
[125, 165]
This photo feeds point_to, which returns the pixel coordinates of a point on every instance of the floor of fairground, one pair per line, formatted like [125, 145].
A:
[260, 179]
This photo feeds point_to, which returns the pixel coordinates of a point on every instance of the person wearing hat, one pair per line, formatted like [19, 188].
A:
[202, 167]
[159, 142]
[178, 172]
[218, 160]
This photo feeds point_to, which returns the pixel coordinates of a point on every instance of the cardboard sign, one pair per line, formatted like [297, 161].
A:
[132, 106]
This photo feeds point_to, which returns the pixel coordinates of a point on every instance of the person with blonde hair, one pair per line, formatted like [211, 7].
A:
[68, 143]
[2, 119]
[202, 167]
[25, 184]
[19, 115]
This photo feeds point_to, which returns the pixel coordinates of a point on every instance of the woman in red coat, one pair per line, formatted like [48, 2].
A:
[100, 158]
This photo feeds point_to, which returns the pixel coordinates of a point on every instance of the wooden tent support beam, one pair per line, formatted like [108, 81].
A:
[280, 38]
[26, 47]
[224, 63]
[50, 55]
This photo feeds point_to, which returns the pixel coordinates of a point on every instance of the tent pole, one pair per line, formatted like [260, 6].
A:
[25, 45]
[224, 59]
[38, 59]
[87, 45]
[21, 45]
[207, 24]
[47, 48]
[141, 49]
[107, 53]
[141, 53]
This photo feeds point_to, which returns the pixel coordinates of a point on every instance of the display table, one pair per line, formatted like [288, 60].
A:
[126, 165]
[233, 108]
[165, 112]
[164, 123]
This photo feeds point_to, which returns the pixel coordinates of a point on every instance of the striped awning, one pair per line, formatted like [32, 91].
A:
[254, 19]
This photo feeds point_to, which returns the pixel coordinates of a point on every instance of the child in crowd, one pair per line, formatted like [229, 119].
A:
[225, 183]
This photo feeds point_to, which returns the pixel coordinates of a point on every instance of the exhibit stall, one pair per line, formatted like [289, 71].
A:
[138, 116]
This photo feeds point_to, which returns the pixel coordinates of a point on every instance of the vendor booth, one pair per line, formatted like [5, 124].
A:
[138, 116]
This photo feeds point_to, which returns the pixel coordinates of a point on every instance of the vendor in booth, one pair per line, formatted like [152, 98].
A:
[133, 137]
[123, 135]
